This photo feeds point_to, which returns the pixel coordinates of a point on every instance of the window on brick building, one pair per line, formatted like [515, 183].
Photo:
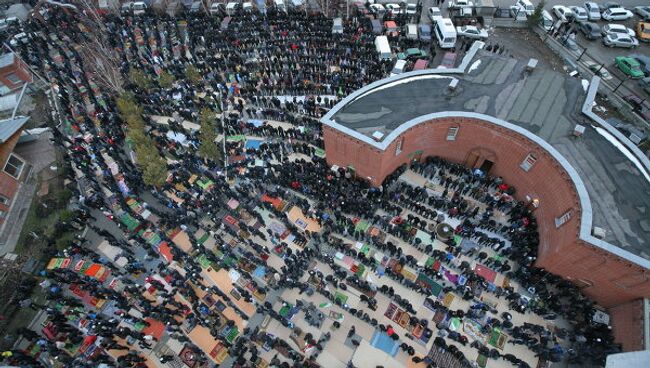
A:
[559, 221]
[451, 133]
[13, 78]
[3, 214]
[398, 148]
[528, 162]
[14, 166]
[3, 199]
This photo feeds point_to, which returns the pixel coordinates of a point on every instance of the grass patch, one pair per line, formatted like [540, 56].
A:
[42, 217]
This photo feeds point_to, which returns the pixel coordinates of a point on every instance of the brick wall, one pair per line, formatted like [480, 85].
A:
[627, 325]
[20, 70]
[604, 277]
[8, 184]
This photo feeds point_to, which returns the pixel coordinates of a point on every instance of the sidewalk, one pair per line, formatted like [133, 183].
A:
[10, 231]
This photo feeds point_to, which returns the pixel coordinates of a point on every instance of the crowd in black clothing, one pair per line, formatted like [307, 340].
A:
[278, 67]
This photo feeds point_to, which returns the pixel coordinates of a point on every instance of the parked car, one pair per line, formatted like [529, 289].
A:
[413, 53]
[399, 68]
[645, 84]
[640, 106]
[615, 40]
[411, 9]
[526, 6]
[643, 12]
[616, 14]
[599, 70]
[360, 8]
[629, 66]
[618, 29]
[643, 31]
[391, 29]
[579, 13]
[563, 13]
[393, 8]
[378, 10]
[425, 32]
[448, 60]
[217, 8]
[590, 30]
[644, 62]
[593, 10]
[435, 14]
[609, 5]
[471, 32]
[546, 21]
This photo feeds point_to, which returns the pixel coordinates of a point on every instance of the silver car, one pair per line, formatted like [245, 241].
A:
[643, 12]
[620, 40]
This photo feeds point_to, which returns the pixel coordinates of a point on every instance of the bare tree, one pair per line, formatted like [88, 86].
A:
[98, 57]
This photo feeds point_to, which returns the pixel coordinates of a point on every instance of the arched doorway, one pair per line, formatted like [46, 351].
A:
[481, 158]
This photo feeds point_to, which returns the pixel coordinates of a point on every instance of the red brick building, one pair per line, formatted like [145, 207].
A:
[11, 165]
[14, 73]
[364, 132]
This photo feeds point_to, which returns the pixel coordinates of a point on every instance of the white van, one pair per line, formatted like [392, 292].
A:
[383, 47]
[337, 25]
[526, 6]
[445, 33]
[412, 31]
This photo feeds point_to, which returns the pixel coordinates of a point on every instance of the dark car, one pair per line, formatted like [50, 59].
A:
[590, 30]
[644, 62]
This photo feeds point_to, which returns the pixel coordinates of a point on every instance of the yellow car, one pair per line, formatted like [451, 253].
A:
[643, 31]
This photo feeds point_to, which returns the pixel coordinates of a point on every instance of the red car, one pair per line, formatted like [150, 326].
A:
[448, 60]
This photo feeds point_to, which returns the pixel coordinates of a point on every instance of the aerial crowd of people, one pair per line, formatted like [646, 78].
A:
[265, 78]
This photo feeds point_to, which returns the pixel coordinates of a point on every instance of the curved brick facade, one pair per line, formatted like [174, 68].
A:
[605, 277]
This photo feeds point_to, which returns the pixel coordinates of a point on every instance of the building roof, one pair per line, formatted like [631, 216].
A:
[543, 105]
[20, 11]
[9, 127]
[633, 359]
[6, 59]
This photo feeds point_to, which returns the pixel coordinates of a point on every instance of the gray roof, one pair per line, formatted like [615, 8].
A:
[6, 59]
[10, 126]
[20, 11]
[544, 103]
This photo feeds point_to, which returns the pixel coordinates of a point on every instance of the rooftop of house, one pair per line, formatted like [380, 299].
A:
[9, 127]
